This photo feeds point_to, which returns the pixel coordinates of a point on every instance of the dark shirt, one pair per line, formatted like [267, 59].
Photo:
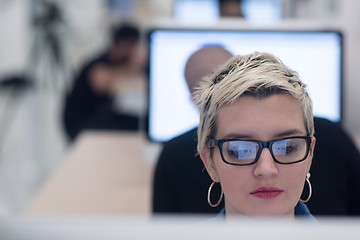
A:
[181, 182]
[86, 109]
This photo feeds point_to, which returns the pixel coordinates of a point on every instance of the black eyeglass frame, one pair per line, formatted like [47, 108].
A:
[213, 142]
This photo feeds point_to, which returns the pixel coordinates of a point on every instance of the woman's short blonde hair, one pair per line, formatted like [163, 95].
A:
[259, 75]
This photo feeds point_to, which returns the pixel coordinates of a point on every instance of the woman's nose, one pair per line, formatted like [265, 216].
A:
[265, 166]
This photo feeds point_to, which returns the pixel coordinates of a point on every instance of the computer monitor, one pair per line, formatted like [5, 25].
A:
[175, 227]
[316, 55]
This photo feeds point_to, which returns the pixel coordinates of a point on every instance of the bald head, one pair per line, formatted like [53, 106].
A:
[203, 62]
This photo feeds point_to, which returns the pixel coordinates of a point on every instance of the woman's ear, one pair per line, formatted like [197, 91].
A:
[312, 145]
[312, 148]
[209, 163]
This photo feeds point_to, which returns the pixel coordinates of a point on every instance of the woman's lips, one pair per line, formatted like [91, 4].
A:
[266, 192]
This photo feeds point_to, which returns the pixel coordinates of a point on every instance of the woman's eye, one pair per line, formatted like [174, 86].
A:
[233, 153]
[291, 149]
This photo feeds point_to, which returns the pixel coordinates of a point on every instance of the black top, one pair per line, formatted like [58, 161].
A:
[181, 181]
[86, 109]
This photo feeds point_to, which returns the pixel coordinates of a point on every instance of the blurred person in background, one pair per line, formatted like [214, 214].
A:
[230, 8]
[90, 104]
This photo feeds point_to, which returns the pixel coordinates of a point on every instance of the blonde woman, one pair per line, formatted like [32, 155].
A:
[256, 137]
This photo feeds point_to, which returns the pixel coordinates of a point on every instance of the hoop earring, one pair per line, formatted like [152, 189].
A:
[209, 193]
[310, 189]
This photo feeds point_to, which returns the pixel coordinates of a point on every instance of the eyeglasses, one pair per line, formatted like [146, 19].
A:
[247, 152]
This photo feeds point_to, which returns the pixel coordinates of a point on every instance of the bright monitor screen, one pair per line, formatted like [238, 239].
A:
[315, 55]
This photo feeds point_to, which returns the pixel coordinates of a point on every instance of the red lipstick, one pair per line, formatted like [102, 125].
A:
[266, 192]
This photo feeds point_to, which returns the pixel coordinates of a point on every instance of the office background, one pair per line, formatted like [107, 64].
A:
[32, 140]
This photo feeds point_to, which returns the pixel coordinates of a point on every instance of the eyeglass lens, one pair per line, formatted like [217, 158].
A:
[246, 152]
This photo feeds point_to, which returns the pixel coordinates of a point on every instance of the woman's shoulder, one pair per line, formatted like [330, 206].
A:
[302, 211]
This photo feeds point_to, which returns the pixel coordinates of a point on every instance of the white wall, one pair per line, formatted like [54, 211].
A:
[13, 32]
[350, 21]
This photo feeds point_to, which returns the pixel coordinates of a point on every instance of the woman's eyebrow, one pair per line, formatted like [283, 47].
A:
[237, 135]
[289, 132]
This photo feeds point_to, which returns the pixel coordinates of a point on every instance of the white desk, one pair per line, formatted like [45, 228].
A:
[103, 174]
